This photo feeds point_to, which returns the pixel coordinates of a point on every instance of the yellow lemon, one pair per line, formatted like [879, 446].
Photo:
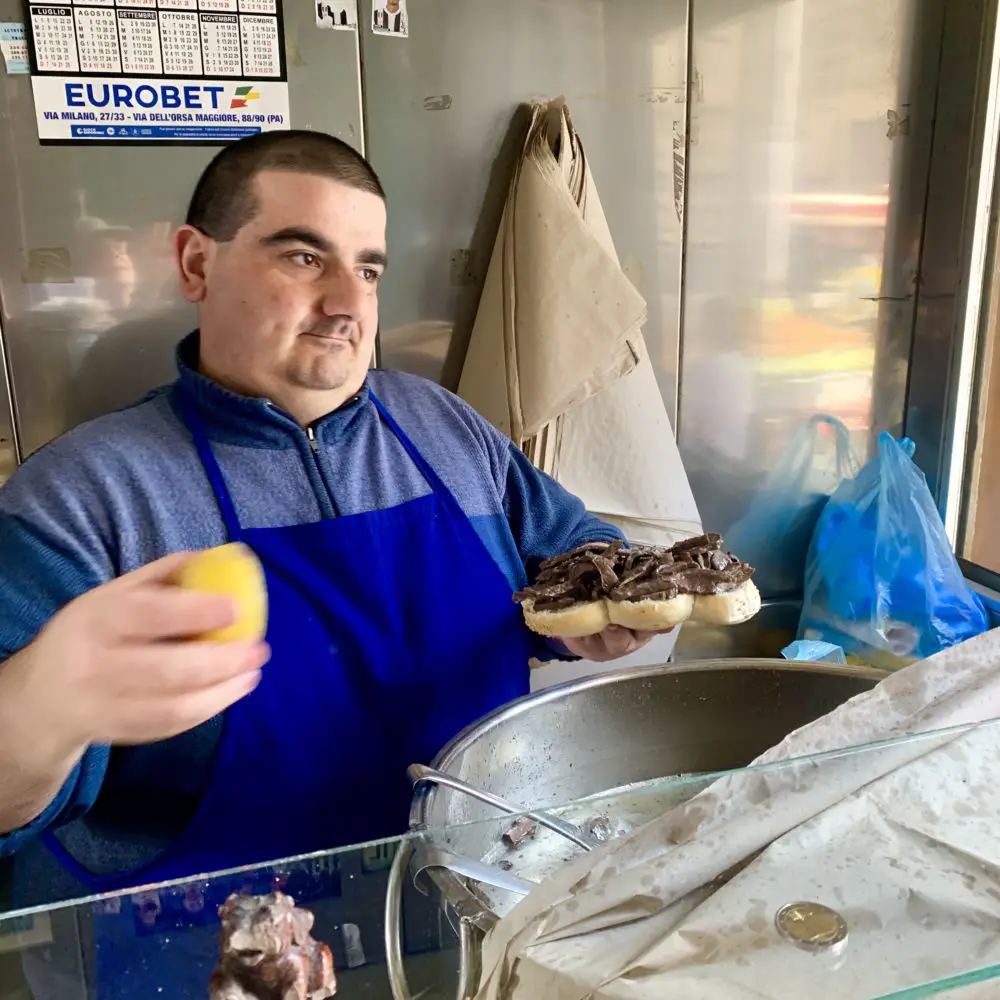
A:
[235, 571]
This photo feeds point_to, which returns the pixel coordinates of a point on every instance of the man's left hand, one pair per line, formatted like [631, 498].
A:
[611, 644]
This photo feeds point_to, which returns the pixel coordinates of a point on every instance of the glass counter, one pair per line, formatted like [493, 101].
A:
[161, 941]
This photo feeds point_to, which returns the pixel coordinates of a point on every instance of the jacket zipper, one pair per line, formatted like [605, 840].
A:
[314, 445]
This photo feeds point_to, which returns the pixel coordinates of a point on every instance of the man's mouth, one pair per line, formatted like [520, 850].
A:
[330, 338]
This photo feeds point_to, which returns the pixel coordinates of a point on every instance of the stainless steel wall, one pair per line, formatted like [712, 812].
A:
[441, 130]
[810, 131]
[807, 139]
[88, 304]
[8, 440]
[795, 135]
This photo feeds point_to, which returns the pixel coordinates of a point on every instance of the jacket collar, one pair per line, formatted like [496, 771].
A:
[248, 420]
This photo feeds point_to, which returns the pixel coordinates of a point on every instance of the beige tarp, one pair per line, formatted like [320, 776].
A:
[903, 840]
[556, 358]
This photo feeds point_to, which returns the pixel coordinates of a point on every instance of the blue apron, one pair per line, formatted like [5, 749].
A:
[390, 630]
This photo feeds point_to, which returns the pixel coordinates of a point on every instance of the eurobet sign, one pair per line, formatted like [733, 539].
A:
[156, 110]
[95, 95]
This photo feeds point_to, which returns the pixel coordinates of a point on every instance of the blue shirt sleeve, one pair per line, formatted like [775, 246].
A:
[545, 520]
[49, 555]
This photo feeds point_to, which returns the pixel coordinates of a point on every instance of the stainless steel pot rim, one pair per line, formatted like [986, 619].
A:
[463, 740]
[468, 909]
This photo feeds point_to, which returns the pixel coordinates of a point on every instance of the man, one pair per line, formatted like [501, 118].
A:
[391, 17]
[393, 524]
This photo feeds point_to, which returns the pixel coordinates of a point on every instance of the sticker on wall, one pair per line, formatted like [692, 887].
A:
[391, 18]
[341, 16]
[14, 47]
[145, 72]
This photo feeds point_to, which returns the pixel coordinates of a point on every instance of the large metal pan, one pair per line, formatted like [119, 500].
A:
[586, 737]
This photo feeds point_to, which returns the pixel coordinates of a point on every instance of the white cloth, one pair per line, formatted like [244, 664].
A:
[556, 358]
[903, 840]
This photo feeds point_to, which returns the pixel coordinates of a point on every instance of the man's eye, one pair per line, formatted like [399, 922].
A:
[369, 274]
[305, 258]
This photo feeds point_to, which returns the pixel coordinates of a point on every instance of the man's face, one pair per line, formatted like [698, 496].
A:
[288, 309]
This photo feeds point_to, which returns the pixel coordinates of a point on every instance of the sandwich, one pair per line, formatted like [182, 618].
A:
[644, 588]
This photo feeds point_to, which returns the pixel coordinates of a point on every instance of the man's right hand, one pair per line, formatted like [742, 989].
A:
[122, 663]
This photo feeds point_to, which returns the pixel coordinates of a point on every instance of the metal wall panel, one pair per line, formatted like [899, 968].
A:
[439, 112]
[806, 184]
[936, 390]
[90, 311]
[8, 440]
[806, 179]
[809, 149]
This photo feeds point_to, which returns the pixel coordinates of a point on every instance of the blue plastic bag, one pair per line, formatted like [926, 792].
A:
[881, 579]
[813, 651]
[788, 506]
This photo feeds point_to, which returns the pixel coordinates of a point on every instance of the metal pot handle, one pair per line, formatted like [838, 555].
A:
[470, 959]
[469, 937]
[393, 922]
[428, 857]
[420, 774]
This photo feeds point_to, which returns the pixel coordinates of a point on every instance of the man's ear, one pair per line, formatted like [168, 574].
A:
[194, 253]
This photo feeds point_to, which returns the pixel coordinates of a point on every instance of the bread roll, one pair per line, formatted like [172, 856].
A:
[575, 622]
[731, 608]
[651, 615]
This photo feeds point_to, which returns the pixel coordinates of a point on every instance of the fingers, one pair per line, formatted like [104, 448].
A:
[144, 605]
[611, 644]
[159, 719]
[618, 641]
[155, 612]
[175, 669]
[128, 662]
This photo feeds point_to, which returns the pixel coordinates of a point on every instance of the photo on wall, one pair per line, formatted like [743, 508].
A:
[391, 18]
[339, 15]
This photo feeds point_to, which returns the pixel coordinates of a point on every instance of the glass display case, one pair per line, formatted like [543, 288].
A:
[405, 918]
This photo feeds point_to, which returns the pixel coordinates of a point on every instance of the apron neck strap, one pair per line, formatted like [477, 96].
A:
[217, 481]
[433, 479]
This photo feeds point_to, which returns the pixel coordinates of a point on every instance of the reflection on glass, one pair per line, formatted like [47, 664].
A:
[99, 325]
[795, 127]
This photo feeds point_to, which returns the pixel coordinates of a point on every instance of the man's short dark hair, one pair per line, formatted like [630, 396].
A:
[223, 200]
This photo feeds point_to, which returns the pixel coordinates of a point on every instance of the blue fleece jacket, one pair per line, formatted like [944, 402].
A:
[129, 487]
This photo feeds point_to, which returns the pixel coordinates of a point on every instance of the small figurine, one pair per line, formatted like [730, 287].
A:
[268, 953]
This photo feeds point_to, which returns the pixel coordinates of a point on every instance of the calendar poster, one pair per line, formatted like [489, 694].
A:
[153, 71]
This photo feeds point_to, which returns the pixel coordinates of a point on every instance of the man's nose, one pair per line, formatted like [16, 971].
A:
[343, 293]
